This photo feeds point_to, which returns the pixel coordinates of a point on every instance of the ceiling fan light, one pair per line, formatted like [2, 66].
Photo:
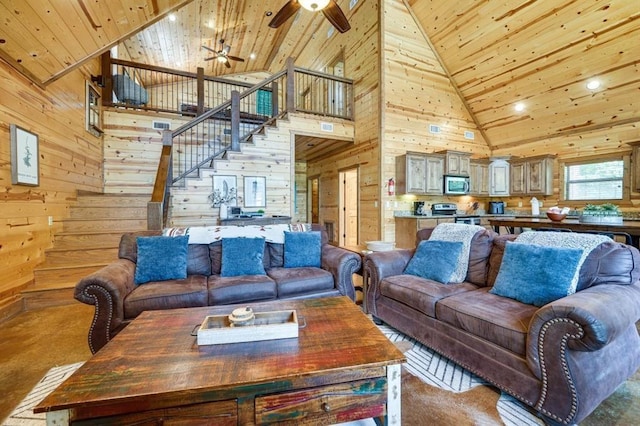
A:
[222, 59]
[313, 5]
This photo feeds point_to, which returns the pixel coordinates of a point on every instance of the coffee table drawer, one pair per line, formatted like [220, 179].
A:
[331, 404]
[220, 413]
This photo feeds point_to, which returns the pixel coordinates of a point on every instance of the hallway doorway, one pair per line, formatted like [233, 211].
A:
[348, 208]
[313, 205]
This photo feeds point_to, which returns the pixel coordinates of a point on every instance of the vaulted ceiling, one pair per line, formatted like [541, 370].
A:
[539, 53]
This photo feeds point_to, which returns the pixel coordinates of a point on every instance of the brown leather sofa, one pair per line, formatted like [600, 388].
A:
[118, 300]
[563, 359]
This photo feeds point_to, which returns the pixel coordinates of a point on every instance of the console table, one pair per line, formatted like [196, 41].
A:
[269, 220]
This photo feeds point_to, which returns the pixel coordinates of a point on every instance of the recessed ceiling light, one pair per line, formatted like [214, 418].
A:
[172, 17]
[252, 56]
[593, 84]
[519, 107]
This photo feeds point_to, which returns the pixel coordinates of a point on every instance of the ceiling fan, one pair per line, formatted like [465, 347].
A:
[222, 55]
[329, 8]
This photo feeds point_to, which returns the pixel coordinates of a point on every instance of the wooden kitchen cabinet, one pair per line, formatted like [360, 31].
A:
[532, 176]
[479, 177]
[457, 163]
[418, 173]
[499, 178]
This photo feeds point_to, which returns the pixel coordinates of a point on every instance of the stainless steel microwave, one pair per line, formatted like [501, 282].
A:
[456, 185]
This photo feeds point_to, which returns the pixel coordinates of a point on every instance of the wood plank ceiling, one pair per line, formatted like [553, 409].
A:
[540, 53]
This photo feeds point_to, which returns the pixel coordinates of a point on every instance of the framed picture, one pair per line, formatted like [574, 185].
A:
[255, 191]
[225, 191]
[25, 168]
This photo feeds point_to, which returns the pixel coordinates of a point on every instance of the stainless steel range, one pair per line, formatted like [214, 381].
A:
[449, 209]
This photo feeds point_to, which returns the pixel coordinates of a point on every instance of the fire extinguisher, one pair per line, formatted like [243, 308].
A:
[391, 187]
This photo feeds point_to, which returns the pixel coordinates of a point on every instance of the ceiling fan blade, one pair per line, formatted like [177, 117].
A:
[209, 49]
[227, 64]
[335, 15]
[210, 59]
[286, 12]
[235, 58]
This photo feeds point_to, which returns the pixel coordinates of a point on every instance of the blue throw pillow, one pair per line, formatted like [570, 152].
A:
[161, 258]
[302, 249]
[435, 260]
[242, 256]
[536, 275]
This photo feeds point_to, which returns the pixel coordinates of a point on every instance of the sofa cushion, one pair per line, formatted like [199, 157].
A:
[161, 258]
[611, 263]
[301, 249]
[495, 260]
[188, 293]
[497, 319]
[215, 255]
[242, 256]
[435, 260]
[479, 254]
[420, 293]
[240, 289]
[537, 275]
[296, 281]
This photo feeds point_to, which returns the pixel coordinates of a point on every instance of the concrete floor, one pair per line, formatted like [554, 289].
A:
[33, 342]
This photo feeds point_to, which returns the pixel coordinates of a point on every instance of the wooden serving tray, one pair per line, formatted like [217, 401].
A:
[217, 329]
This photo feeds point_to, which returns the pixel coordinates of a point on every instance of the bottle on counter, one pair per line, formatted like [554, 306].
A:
[535, 207]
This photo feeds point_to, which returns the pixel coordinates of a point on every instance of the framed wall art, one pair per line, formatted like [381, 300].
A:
[255, 191]
[25, 167]
[224, 191]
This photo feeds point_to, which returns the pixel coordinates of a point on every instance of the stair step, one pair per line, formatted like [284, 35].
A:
[110, 200]
[34, 300]
[60, 257]
[108, 212]
[87, 240]
[121, 224]
[53, 277]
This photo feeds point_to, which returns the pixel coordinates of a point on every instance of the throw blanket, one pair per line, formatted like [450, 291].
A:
[210, 234]
[585, 242]
[457, 232]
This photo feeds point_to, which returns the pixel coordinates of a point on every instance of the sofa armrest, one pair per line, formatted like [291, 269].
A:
[379, 265]
[342, 264]
[572, 342]
[106, 289]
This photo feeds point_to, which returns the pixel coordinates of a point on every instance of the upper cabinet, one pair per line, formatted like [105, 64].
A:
[532, 176]
[418, 173]
[499, 178]
[457, 163]
[479, 177]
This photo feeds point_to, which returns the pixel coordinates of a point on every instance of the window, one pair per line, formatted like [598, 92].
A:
[601, 180]
[93, 120]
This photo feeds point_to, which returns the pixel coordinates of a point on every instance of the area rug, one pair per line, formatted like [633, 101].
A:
[435, 391]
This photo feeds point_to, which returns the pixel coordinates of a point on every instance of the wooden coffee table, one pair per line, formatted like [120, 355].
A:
[340, 368]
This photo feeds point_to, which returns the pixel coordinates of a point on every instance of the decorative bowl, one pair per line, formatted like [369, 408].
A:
[379, 245]
[556, 217]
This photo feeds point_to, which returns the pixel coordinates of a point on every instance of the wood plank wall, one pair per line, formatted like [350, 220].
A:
[360, 48]
[70, 160]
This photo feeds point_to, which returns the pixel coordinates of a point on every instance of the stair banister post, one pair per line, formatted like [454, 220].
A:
[291, 86]
[235, 120]
[274, 99]
[200, 90]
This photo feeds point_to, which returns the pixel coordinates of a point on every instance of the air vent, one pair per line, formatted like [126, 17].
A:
[469, 135]
[326, 127]
[433, 128]
[162, 125]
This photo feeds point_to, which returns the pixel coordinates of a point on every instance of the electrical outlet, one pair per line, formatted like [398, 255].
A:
[50, 220]
[375, 204]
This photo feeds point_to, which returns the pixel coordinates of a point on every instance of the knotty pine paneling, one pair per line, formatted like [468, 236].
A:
[70, 160]
[360, 48]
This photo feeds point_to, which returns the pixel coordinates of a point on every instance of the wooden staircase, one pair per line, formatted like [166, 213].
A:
[89, 240]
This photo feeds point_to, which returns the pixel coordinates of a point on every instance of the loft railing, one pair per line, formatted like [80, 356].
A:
[226, 112]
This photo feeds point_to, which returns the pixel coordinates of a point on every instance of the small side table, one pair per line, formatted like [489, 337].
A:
[362, 252]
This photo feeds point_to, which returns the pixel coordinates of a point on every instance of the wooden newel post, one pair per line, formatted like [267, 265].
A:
[291, 86]
[274, 99]
[200, 89]
[235, 120]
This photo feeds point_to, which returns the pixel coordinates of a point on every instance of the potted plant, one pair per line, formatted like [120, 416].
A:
[603, 213]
